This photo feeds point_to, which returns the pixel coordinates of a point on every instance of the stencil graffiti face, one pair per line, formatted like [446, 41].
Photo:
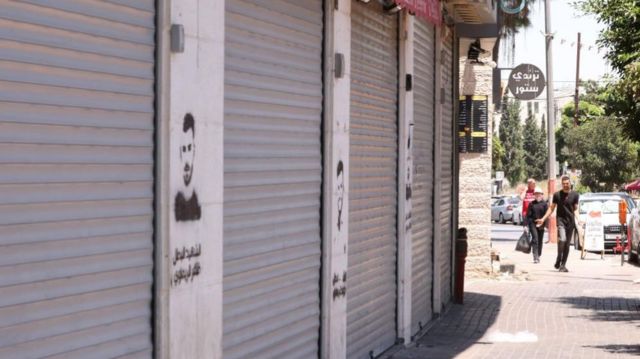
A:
[187, 149]
[187, 207]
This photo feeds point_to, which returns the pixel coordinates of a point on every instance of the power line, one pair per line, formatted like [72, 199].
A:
[538, 100]
[573, 81]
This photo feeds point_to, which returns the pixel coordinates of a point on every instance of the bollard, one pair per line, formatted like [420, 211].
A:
[461, 258]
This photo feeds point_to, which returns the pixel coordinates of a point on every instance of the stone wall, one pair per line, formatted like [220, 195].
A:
[475, 170]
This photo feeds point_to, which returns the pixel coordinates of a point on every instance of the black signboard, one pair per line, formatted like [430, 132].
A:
[526, 82]
[473, 124]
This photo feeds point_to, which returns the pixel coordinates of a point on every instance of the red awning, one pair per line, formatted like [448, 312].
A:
[428, 10]
[633, 186]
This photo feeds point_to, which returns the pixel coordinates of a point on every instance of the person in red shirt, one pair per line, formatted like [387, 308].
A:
[527, 196]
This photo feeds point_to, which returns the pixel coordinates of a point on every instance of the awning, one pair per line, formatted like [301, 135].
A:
[428, 10]
[633, 186]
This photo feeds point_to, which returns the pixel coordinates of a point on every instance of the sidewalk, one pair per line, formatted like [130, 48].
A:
[591, 312]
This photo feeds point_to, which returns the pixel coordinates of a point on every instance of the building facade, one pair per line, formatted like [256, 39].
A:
[237, 179]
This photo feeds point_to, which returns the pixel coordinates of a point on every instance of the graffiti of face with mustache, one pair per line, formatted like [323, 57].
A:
[187, 206]
[187, 154]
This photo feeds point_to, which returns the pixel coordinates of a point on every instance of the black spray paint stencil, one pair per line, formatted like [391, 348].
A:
[187, 207]
[340, 179]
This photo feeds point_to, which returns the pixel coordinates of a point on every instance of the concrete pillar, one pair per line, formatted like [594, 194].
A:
[405, 178]
[437, 184]
[190, 181]
[475, 168]
[336, 179]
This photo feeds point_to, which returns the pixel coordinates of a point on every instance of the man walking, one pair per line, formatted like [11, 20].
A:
[566, 201]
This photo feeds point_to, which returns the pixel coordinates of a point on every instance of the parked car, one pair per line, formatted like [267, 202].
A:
[507, 209]
[608, 203]
[495, 199]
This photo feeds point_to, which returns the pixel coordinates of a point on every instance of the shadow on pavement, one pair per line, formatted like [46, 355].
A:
[609, 309]
[461, 327]
[618, 348]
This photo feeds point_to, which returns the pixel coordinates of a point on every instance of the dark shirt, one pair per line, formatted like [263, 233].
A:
[187, 210]
[566, 204]
[536, 210]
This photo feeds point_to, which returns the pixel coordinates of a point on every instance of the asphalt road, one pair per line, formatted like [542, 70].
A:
[508, 233]
[504, 237]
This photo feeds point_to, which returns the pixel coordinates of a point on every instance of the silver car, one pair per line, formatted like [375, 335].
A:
[507, 209]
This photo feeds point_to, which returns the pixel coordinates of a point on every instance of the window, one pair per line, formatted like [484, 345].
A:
[529, 110]
[537, 107]
[605, 206]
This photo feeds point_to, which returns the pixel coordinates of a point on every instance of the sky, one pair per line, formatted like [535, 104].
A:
[566, 22]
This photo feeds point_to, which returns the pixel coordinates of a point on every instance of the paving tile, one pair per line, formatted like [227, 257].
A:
[591, 312]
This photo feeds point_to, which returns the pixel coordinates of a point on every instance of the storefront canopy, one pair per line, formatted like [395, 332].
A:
[428, 10]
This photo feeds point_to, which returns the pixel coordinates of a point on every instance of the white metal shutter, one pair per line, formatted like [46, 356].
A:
[76, 178]
[422, 216]
[446, 199]
[272, 179]
[371, 293]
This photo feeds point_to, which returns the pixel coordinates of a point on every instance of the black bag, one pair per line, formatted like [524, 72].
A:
[524, 245]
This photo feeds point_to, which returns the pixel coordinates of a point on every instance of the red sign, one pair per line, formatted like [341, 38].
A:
[426, 9]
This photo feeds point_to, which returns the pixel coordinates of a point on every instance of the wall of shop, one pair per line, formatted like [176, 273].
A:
[190, 168]
[475, 168]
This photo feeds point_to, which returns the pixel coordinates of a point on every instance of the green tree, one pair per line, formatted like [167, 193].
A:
[621, 35]
[621, 41]
[606, 157]
[535, 149]
[512, 24]
[622, 100]
[497, 153]
[586, 112]
[510, 135]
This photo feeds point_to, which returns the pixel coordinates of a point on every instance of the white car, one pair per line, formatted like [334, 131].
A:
[608, 203]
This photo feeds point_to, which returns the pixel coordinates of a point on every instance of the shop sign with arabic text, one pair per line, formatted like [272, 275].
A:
[428, 10]
[526, 82]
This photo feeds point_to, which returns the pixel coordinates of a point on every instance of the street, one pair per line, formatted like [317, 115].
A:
[591, 312]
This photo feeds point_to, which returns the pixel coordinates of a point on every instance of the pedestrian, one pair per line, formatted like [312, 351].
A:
[536, 210]
[566, 201]
[527, 196]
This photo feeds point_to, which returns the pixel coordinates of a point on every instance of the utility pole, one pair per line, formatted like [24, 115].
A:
[577, 99]
[551, 115]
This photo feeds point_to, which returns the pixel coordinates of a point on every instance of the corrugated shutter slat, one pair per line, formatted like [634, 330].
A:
[76, 178]
[423, 183]
[371, 293]
[447, 172]
[272, 179]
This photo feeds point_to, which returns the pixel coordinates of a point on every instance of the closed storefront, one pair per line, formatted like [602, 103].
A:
[447, 180]
[423, 185]
[272, 178]
[371, 296]
[76, 178]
